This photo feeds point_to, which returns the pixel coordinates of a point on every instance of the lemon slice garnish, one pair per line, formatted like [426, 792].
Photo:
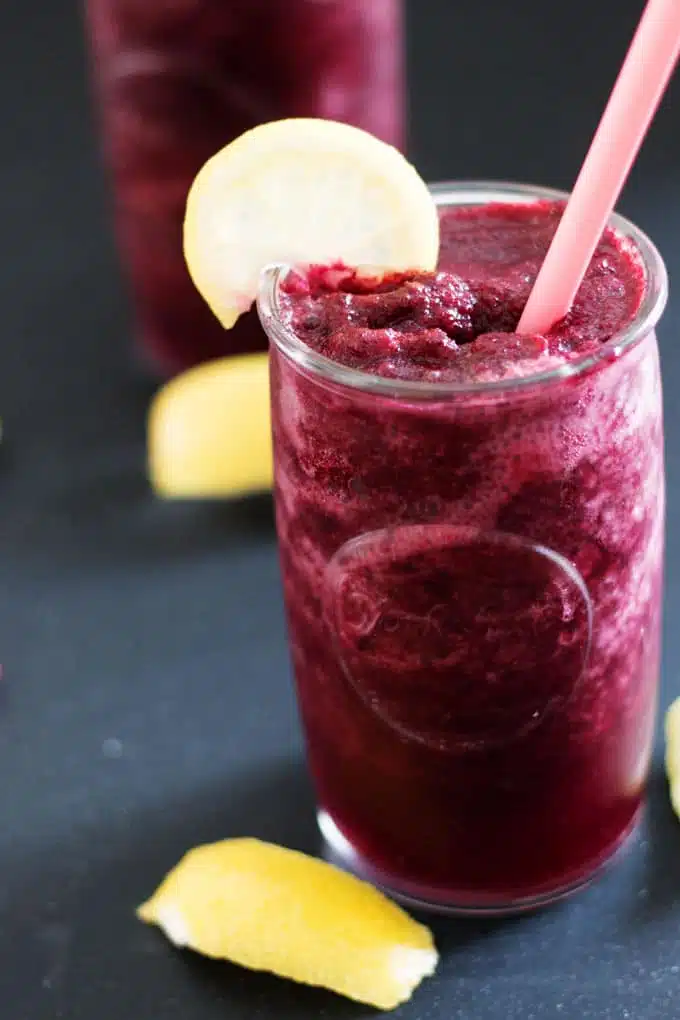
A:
[268, 908]
[208, 431]
[672, 727]
[303, 191]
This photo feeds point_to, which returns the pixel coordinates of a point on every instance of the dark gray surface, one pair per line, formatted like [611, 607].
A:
[146, 702]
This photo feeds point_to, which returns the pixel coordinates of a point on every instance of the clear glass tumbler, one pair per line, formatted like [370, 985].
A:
[176, 80]
[473, 578]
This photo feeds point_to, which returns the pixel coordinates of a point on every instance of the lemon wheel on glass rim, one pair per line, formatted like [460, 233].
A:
[292, 191]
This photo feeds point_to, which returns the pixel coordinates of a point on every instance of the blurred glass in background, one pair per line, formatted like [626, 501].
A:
[176, 80]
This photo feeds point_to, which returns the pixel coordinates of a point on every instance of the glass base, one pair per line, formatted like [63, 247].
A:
[339, 851]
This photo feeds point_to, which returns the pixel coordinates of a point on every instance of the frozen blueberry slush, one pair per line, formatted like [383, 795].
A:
[471, 533]
[178, 79]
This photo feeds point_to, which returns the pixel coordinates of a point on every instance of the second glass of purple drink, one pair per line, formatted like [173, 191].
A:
[176, 81]
[472, 577]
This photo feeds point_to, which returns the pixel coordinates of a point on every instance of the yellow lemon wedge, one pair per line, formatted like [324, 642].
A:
[208, 432]
[673, 753]
[303, 191]
[269, 908]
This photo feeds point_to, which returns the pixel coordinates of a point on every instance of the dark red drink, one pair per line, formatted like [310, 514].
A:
[177, 80]
[471, 533]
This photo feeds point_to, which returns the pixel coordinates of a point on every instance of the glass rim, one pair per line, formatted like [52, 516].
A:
[471, 192]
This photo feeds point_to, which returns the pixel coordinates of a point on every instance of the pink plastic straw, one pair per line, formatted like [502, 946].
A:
[632, 104]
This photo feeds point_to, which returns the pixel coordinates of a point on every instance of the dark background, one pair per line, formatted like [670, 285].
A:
[146, 703]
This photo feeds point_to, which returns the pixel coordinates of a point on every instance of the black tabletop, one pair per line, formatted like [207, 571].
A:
[146, 702]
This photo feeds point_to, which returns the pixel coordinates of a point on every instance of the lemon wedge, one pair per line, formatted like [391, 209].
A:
[208, 432]
[303, 191]
[268, 908]
[673, 753]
